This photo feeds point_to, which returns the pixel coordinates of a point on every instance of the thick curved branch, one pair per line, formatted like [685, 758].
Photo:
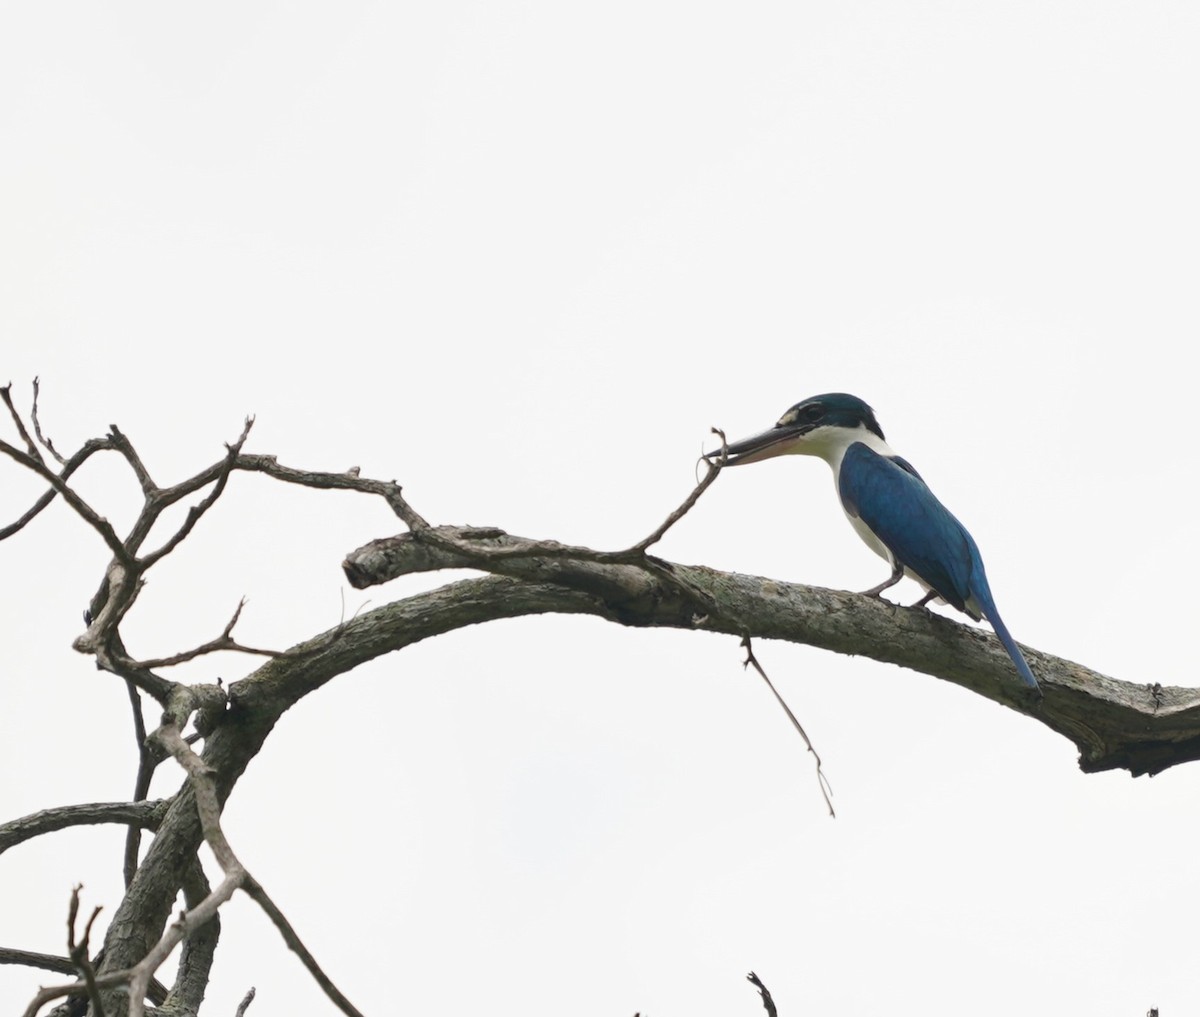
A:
[30, 959]
[1115, 724]
[257, 702]
[144, 815]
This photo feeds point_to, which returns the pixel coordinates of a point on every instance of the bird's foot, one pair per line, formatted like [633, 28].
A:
[892, 580]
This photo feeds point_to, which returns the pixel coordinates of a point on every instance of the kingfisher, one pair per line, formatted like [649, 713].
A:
[890, 507]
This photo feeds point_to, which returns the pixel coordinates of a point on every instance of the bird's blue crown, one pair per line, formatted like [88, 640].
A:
[833, 409]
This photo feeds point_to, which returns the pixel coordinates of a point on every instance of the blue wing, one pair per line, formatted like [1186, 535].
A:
[891, 498]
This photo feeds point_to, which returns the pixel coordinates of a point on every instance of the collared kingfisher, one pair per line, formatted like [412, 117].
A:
[887, 503]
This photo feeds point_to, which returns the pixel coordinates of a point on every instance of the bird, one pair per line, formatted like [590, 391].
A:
[889, 505]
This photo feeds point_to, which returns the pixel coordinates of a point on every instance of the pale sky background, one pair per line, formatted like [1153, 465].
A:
[521, 257]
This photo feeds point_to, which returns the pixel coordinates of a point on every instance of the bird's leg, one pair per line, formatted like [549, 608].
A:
[931, 595]
[892, 580]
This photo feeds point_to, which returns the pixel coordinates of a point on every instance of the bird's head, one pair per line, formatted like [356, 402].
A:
[817, 427]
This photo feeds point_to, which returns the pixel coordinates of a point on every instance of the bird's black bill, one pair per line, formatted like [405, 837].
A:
[774, 442]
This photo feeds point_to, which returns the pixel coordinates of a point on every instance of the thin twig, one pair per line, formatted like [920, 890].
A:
[464, 540]
[37, 428]
[768, 1002]
[714, 470]
[245, 1003]
[79, 951]
[78, 459]
[6, 395]
[141, 783]
[196, 511]
[752, 661]
[81, 507]
[123, 445]
[389, 490]
[255, 890]
[224, 641]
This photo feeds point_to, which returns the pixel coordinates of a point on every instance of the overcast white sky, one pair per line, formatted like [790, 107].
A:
[521, 256]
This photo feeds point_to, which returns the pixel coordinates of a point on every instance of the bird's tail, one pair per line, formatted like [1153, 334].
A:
[1010, 645]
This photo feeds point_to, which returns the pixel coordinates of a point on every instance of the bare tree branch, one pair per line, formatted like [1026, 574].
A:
[37, 427]
[1114, 724]
[712, 471]
[144, 815]
[752, 661]
[245, 1003]
[224, 641]
[79, 953]
[255, 890]
[198, 950]
[141, 783]
[122, 444]
[767, 1001]
[72, 464]
[197, 511]
[46, 961]
[208, 810]
[30, 445]
[81, 507]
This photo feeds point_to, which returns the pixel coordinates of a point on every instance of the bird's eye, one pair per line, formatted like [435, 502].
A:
[813, 413]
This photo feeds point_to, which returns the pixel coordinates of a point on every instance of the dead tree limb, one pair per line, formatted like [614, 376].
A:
[1114, 724]
[143, 815]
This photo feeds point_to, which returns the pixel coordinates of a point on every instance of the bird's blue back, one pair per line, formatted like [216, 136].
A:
[888, 495]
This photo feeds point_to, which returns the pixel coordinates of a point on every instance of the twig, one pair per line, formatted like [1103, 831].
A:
[141, 783]
[768, 1002]
[65, 966]
[224, 641]
[246, 1001]
[752, 661]
[6, 395]
[72, 464]
[45, 995]
[463, 540]
[255, 890]
[142, 814]
[123, 445]
[81, 507]
[79, 951]
[196, 511]
[37, 428]
[714, 470]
